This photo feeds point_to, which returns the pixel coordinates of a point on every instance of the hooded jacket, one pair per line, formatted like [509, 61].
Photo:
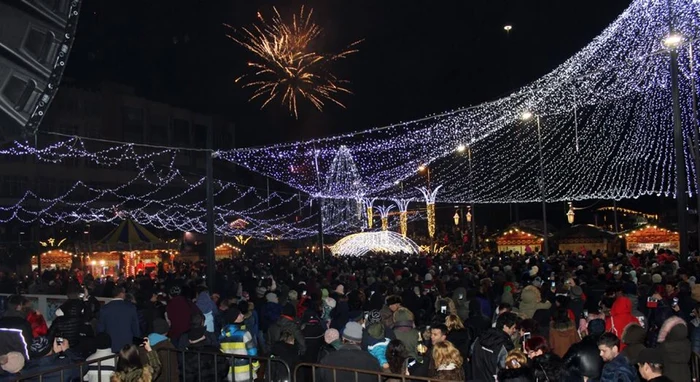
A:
[620, 317]
[144, 374]
[489, 353]
[675, 349]
[561, 337]
[633, 337]
[286, 323]
[531, 301]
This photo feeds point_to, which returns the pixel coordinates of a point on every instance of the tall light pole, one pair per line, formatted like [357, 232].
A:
[526, 116]
[672, 42]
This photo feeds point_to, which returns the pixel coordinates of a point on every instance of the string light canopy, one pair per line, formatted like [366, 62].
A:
[606, 129]
[359, 244]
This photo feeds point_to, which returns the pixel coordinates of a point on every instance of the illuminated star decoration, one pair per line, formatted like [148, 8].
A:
[286, 66]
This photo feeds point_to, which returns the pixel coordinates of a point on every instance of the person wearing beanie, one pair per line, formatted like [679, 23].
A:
[106, 368]
[377, 343]
[349, 355]
[160, 343]
[12, 362]
[287, 322]
[404, 330]
[269, 312]
[340, 289]
[235, 339]
[331, 343]
[313, 331]
[328, 305]
[203, 359]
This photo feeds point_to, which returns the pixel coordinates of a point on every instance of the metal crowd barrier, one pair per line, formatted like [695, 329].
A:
[342, 374]
[695, 367]
[65, 371]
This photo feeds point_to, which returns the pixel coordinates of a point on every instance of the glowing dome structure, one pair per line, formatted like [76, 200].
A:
[359, 244]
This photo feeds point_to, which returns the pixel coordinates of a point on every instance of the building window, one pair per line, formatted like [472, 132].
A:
[181, 132]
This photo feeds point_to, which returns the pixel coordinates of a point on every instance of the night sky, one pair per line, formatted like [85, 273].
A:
[417, 57]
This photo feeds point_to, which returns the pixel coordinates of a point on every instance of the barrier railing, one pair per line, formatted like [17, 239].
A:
[220, 364]
[342, 374]
[75, 370]
[695, 367]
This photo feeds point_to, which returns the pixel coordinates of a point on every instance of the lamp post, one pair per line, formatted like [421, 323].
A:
[672, 42]
[526, 116]
[570, 214]
[455, 217]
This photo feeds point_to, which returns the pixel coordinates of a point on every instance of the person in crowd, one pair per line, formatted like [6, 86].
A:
[531, 301]
[694, 327]
[331, 343]
[582, 361]
[207, 306]
[313, 334]
[203, 360]
[349, 355]
[236, 340]
[491, 347]
[102, 370]
[620, 317]
[634, 337]
[651, 366]
[270, 311]
[15, 318]
[130, 367]
[675, 349]
[617, 368]
[179, 312]
[393, 303]
[458, 335]
[167, 352]
[404, 330]
[11, 364]
[438, 333]
[562, 332]
[57, 355]
[377, 343]
[447, 362]
[197, 322]
[517, 369]
[397, 357]
[118, 318]
[287, 322]
[285, 351]
[250, 319]
[37, 321]
[70, 324]
[544, 363]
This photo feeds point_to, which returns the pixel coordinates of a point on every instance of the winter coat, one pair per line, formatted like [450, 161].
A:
[561, 337]
[459, 297]
[378, 350]
[583, 360]
[15, 320]
[675, 349]
[38, 323]
[620, 317]
[462, 340]
[408, 335]
[271, 312]
[530, 301]
[387, 317]
[118, 318]
[349, 356]
[695, 335]
[286, 353]
[200, 360]
[522, 374]
[547, 367]
[286, 323]
[489, 354]
[327, 349]
[236, 340]
[618, 370]
[313, 338]
[144, 374]
[168, 359]
[53, 362]
[179, 310]
[449, 373]
[633, 337]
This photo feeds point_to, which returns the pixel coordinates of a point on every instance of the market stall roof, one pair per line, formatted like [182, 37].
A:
[532, 227]
[585, 231]
[131, 233]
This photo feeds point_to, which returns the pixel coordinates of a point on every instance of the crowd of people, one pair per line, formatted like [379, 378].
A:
[474, 316]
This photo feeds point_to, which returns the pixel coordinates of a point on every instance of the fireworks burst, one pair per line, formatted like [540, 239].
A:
[286, 66]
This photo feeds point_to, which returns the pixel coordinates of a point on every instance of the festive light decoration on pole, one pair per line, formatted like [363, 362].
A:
[469, 214]
[455, 218]
[370, 213]
[402, 204]
[384, 214]
[389, 242]
[612, 97]
[430, 207]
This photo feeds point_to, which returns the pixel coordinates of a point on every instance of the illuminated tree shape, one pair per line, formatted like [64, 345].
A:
[370, 213]
[343, 178]
[430, 207]
[384, 214]
[403, 215]
[359, 244]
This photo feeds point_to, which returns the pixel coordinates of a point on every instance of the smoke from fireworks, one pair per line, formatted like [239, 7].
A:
[286, 66]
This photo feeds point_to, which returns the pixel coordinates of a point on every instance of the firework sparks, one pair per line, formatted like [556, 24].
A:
[286, 66]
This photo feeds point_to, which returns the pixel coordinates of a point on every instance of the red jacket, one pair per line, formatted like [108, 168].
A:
[620, 317]
[39, 327]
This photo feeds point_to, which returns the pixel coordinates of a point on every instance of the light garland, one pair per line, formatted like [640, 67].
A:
[369, 202]
[631, 212]
[403, 215]
[359, 244]
[384, 215]
[605, 114]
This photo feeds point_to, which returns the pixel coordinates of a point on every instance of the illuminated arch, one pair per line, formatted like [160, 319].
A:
[359, 244]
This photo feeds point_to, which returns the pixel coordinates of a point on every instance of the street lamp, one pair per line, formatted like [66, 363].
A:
[508, 28]
[456, 218]
[461, 148]
[570, 214]
[672, 42]
[469, 215]
[526, 116]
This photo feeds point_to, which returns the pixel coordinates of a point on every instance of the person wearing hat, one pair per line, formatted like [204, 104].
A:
[331, 343]
[349, 355]
[269, 312]
[235, 339]
[11, 363]
[393, 303]
[313, 333]
[103, 370]
[650, 365]
[164, 348]
[178, 312]
[377, 343]
[286, 322]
